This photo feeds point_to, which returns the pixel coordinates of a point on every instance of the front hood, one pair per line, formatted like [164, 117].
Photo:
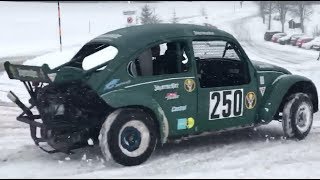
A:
[262, 66]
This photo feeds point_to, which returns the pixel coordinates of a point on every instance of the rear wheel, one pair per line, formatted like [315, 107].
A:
[130, 139]
[297, 116]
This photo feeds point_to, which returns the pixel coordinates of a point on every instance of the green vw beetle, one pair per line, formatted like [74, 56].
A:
[133, 88]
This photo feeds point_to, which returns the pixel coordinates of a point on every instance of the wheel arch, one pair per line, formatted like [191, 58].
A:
[131, 99]
[277, 94]
[306, 87]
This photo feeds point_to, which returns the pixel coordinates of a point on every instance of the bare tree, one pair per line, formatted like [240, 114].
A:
[262, 10]
[282, 7]
[302, 10]
[270, 9]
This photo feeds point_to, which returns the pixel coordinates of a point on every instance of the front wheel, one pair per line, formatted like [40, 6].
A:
[129, 138]
[297, 116]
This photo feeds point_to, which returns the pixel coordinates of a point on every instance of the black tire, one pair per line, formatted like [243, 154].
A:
[114, 140]
[298, 108]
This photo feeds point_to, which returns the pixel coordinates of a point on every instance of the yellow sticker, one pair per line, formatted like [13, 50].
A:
[189, 85]
[190, 122]
[251, 100]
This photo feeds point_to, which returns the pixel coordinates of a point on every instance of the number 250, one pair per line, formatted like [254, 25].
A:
[230, 106]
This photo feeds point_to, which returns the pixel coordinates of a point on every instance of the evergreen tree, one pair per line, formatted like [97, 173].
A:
[147, 16]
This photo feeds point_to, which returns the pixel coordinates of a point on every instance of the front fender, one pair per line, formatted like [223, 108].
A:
[275, 93]
[116, 99]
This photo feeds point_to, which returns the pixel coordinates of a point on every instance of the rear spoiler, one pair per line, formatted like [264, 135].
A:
[28, 73]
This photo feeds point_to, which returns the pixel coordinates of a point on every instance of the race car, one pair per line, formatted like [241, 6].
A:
[134, 88]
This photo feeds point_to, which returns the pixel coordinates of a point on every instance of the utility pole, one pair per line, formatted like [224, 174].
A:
[59, 26]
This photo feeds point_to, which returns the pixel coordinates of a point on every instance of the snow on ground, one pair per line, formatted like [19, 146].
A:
[259, 153]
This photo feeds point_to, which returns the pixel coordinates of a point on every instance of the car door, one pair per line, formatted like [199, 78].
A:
[227, 87]
[172, 85]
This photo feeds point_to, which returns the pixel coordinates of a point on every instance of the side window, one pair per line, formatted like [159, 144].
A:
[165, 58]
[219, 64]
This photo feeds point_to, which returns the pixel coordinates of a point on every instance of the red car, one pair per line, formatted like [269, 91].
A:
[275, 37]
[302, 40]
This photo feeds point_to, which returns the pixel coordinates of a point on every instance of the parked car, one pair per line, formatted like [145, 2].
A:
[316, 46]
[303, 39]
[275, 37]
[294, 38]
[285, 39]
[309, 45]
[268, 35]
[139, 98]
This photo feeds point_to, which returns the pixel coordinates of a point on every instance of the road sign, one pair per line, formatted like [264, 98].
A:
[129, 20]
[129, 12]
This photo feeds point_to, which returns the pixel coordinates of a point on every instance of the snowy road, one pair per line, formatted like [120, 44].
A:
[268, 51]
[255, 154]
[259, 153]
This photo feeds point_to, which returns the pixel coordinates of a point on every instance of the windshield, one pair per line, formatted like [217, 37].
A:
[93, 55]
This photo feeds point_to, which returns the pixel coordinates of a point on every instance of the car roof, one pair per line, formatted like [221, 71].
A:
[142, 35]
[280, 34]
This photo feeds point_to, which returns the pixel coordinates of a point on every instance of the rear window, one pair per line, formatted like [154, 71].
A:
[93, 55]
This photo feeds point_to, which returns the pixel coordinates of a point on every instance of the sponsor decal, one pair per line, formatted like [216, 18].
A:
[262, 90]
[179, 108]
[185, 123]
[266, 66]
[27, 73]
[115, 83]
[262, 80]
[251, 100]
[111, 84]
[166, 86]
[114, 36]
[123, 83]
[173, 95]
[189, 85]
[190, 123]
[203, 33]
